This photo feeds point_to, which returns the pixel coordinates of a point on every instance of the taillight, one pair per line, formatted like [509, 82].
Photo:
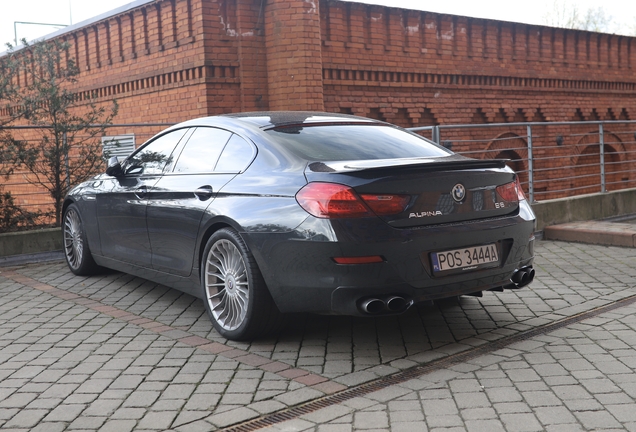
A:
[332, 200]
[511, 192]
[384, 205]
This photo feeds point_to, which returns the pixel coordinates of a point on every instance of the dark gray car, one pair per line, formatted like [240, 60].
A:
[266, 213]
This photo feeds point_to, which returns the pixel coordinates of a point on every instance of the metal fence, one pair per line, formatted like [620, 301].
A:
[553, 159]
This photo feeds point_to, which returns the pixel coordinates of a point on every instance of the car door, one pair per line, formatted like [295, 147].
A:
[121, 208]
[180, 197]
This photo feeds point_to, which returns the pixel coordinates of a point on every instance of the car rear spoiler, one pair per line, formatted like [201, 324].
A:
[447, 163]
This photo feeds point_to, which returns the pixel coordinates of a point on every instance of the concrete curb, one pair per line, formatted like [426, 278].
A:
[30, 242]
[594, 232]
[585, 208]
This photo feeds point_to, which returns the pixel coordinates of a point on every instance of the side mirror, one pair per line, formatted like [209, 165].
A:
[114, 167]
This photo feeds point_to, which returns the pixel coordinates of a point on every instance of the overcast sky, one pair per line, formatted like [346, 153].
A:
[623, 12]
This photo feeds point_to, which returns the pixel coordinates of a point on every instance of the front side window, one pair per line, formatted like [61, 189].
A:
[154, 157]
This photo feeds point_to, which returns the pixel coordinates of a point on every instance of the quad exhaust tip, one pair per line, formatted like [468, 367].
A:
[522, 277]
[391, 304]
[396, 304]
[372, 306]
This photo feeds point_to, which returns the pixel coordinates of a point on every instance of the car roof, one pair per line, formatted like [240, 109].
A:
[271, 119]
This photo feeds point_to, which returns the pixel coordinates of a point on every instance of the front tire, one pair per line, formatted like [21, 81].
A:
[78, 255]
[235, 295]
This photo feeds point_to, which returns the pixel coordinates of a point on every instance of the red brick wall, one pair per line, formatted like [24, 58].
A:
[461, 69]
[294, 65]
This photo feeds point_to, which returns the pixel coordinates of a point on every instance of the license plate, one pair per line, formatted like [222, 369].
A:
[469, 258]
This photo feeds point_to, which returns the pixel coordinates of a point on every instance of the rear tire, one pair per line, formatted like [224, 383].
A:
[235, 295]
[78, 255]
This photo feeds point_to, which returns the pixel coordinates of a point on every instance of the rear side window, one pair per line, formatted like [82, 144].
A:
[236, 156]
[354, 142]
[202, 151]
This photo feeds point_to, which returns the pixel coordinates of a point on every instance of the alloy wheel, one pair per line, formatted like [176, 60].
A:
[73, 242]
[227, 284]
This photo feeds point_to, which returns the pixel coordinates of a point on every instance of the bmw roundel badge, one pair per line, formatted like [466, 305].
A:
[459, 192]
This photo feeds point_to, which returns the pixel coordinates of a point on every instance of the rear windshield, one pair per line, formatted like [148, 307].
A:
[354, 142]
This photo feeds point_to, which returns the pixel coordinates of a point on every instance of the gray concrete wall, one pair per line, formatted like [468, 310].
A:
[30, 242]
[585, 207]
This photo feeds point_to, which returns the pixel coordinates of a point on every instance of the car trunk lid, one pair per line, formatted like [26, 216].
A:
[442, 190]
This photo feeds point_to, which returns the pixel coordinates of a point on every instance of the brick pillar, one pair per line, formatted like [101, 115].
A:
[294, 61]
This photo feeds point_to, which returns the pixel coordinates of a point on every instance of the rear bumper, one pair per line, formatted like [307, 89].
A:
[302, 276]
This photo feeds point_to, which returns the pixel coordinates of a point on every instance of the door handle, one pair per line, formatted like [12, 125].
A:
[204, 192]
[141, 192]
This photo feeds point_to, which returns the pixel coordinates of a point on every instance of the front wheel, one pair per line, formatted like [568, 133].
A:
[236, 297]
[78, 255]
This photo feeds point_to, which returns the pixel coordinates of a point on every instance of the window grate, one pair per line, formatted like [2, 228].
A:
[119, 145]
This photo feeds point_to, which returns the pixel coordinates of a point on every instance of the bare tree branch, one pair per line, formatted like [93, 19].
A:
[565, 14]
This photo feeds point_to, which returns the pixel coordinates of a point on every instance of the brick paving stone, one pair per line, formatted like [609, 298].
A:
[439, 407]
[583, 405]
[275, 367]
[66, 413]
[128, 414]
[298, 396]
[234, 399]
[118, 426]
[27, 418]
[310, 379]
[266, 407]
[141, 399]
[571, 392]
[328, 387]
[541, 399]
[187, 417]
[478, 414]
[328, 414]
[521, 422]
[231, 417]
[503, 394]
[387, 394]
[18, 400]
[597, 419]
[624, 413]
[471, 400]
[355, 378]
[198, 426]
[87, 423]
[554, 415]
[370, 420]
[49, 427]
[157, 420]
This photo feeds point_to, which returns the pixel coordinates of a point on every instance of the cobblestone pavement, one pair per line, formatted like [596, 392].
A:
[118, 353]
